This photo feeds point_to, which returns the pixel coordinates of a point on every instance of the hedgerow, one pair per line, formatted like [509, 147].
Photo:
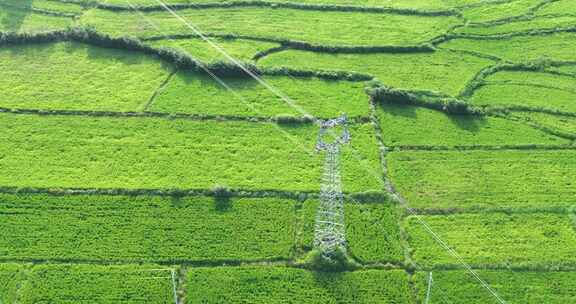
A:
[384, 94]
[287, 4]
[179, 59]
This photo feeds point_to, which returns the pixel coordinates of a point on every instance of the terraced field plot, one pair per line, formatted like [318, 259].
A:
[73, 76]
[121, 228]
[24, 20]
[524, 286]
[257, 284]
[130, 174]
[496, 179]
[87, 283]
[328, 27]
[152, 153]
[486, 240]
[443, 71]
[528, 89]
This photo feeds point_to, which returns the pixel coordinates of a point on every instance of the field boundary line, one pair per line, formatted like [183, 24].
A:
[285, 5]
[305, 46]
[363, 197]
[158, 90]
[185, 116]
[529, 147]
[559, 209]
[168, 262]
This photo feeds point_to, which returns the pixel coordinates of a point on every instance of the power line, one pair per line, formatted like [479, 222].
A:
[292, 104]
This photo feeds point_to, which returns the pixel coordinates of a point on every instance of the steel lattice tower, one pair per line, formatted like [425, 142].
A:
[330, 230]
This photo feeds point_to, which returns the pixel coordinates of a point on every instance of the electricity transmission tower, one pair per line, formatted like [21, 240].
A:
[329, 230]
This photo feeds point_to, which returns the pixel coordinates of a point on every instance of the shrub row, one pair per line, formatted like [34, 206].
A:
[330, 75]
[299, 45]
[293, 5]
[136, 114]
[216, 191]
[482, 147]
[280, 118]
[305, 46]
[179, 59]
[448, 105]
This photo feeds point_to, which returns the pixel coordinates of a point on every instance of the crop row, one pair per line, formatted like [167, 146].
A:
[316, 27]
[528, 287]
[553, 46]
[103, 79]
[213, 230]
[198, 229]
[543, 241]
[520, 25]
[402, 125]
[495, 179]
[151, 153]
[527, 89]
[281, 285]
[24, 283]
[255, 284]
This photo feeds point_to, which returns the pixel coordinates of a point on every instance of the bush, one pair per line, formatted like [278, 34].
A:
[221, 191]
[371, 197]
[423, 99]
[339, 262]
[291, 119]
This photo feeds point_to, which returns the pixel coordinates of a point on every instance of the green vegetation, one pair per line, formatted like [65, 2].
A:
[520, 48]
[407, 125]
[125, 167]
[561, 7]
[24, 20]
[371, 231]
[45, 5]
[190, 92]
[279, 285]
[498, 10]
[144, 228]
[74, 76]
[528, 89]
[528, 287]
[9, 277]
[443, 71]
[560, 123]
[544, 22]
[569, 69]
[97, 284]
[240, 49]
[401, 4]
[495, 179]
[498, 239]
[121, 152]
[318, 27]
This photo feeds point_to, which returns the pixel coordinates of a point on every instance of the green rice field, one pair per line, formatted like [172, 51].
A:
[166, 151]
